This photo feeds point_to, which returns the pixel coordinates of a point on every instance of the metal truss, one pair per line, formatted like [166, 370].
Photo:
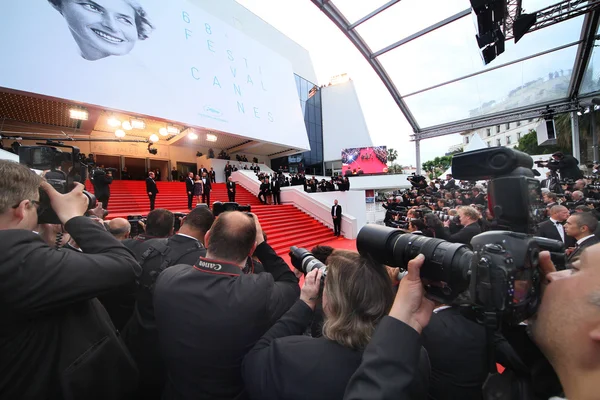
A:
[521, 114]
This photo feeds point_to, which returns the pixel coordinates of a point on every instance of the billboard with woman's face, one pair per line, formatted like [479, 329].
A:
[167, 59]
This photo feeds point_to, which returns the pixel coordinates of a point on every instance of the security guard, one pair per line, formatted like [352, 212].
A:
[210, 315]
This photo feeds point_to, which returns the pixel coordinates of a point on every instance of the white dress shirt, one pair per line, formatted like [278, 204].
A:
[583, 239]
[559, 228]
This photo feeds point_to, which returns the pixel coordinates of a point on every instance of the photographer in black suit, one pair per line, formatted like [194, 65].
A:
[469, 218]
[101, 181]
[230, 311]
[151, 189]
[478, 197]
[567, 166]
[357, 294]
[450, 183]
[56, 339]
[189, 188]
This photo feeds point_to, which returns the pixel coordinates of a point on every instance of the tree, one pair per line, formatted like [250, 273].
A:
[392, 155]
[395, 169]
[437, 166]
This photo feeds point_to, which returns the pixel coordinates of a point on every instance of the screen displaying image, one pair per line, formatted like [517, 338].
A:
[364, 160]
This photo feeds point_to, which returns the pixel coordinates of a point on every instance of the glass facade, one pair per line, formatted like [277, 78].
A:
[310, 102]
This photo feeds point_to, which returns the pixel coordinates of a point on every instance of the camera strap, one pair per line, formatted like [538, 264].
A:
[490, 322]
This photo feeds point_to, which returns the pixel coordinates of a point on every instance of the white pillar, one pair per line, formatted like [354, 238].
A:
[575, 135]
[418, 155]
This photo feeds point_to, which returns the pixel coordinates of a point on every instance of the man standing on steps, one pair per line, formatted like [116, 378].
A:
[207, 188]
[336, 214]
[189, 188]
[151, 189]
[231, 189]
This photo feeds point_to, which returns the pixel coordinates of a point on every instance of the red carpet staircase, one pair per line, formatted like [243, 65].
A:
[285, 225]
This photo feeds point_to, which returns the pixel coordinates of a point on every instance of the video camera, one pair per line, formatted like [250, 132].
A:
[219, 207]
[501, 272]
[551, 164]
[102, 171]
[418, 181]
[46, 156]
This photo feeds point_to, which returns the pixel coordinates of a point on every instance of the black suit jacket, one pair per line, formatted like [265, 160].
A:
[451, 184]
[576, 255]
[151, 186]
[189, 185]
[56, 339]
[207, 185]
[231, 185]
[466, 234]
[389, 366]
[339, 211]
[547, 229]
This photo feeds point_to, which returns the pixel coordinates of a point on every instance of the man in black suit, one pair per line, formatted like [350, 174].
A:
[553, 227]
[567, 166]
[231, 189]
[276, 190]
[469, 217]
[478, 197]
[101, 181]
[581, 227]
[450, 183]
[212, 175]
[336, 214]
[151, 189]
[189, 188]
[549, 199]
[207, 188]
[52, 320]
[202, 170]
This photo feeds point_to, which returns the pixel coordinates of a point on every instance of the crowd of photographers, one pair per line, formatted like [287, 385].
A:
[200, 306]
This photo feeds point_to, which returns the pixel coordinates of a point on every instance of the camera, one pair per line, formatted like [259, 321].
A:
[47, 156]
[178, 217]
[219, 207]
[501, 272]
[135, 226]
[102, 171]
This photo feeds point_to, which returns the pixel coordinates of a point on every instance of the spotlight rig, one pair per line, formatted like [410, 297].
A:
[152, 150]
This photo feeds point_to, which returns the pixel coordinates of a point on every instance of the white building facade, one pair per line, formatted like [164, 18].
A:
[507, 135]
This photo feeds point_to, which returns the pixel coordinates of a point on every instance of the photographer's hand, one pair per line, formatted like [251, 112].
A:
[259, 233]
[410, 305]
[310, 291]
[67, 206]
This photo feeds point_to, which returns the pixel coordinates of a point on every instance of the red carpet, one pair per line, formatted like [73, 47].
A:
[285, 225]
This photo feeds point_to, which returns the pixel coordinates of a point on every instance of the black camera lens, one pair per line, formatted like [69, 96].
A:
[446, 265]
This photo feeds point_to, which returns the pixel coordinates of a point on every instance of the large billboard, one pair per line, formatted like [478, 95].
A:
[168, 59]
[364, 160]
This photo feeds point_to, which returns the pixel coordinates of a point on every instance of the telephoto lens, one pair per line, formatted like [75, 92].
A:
[446, 270]
[304, 261]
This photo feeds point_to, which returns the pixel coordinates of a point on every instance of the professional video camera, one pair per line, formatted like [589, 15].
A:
[219, 207]
[102, 171]
[46, 156]
[418, 181]
[551, 164]
[501, 272]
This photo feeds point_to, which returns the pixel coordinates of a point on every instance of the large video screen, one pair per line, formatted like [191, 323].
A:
[167, 59]
[364, 160]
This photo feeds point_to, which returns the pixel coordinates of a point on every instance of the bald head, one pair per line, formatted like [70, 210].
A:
[119, 228]
[577, 195]
[556, 211]
[232, 238]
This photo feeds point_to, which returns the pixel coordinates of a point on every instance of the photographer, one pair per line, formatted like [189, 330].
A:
[469, 218]
[140, 334]
[159, 224]
[209, 315]
[450, 183]
[101, 181]
[357, 294]
[578, 198]
[567, 166]
[57, 340]
[478, 197]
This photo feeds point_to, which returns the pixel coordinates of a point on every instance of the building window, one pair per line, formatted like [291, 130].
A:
[497, 128]
[489, 144]
[498, 142]
[518, 123]
[518, 136]
[530, 120]
[508, 139]
[508, 126]
[466, 140]
[488, 132]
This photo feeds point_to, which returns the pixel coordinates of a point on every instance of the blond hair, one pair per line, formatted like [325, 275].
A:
[17, 183]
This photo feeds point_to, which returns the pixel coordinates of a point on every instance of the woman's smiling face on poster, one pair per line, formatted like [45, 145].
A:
[101, 28]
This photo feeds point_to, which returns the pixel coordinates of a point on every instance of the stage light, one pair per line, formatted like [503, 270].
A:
[138, 124]
[126, 125]
[192, 136]
[120, 133]
[152, 150]
[522, 25]
[112, 121]
[596, 107]
[173, 130]
[78, 113]
[579, 113]
[211, 137]
[154, 138]
[163, 131]
[586, 110]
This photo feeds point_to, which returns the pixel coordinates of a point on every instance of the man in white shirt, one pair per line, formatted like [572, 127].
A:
[581, 227]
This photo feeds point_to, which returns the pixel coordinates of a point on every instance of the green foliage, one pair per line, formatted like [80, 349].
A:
[395, 169]
[392, 155]
[437, 166]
